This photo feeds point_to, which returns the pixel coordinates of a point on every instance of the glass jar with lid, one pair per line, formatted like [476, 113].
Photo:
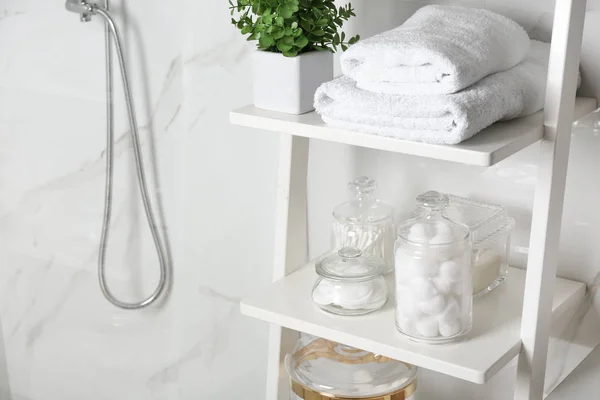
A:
[322, 369]
[434, 293]
[350, 283]
[365, 223]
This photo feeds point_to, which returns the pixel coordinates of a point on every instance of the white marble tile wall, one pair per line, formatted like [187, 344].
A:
[215, 187]
[213, 184]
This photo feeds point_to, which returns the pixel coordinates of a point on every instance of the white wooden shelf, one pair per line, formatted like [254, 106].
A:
[489, 147]
[491, 344]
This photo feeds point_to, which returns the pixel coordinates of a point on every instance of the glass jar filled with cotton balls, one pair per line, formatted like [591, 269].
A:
[433, 261]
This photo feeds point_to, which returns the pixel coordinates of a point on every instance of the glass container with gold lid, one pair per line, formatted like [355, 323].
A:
[320, 369]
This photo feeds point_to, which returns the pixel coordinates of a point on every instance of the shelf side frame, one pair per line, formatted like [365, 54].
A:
[561, 88]
[291, 248]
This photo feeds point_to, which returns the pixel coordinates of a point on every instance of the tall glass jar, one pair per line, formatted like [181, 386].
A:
[434, 289]
[325, 370]
[365, 223]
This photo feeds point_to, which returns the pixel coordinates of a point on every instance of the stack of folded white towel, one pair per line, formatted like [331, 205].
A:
[444, 75]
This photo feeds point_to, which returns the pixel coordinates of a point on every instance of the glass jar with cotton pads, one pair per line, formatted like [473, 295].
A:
[365, 223]
[434, 289]
[490, 228]
[350, 283]
[322, 369]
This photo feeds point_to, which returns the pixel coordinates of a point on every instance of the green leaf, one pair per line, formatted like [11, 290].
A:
[254, 36]
[301, 42]
[318, 32]
[277, 33]
[279, 21]
[247, 29]
[265, 41]
[290, 53]
[288, 41]
[285, 11]
[283, 47]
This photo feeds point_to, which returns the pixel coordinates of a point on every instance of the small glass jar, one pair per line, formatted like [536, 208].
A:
[365, 223]
[322, 369]
[350, 283]
[434, 293]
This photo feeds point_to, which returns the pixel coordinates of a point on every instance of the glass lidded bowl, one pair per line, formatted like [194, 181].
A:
[434, 290]
[322, 369]
[350, 283]
[491, 228]
[364, 222]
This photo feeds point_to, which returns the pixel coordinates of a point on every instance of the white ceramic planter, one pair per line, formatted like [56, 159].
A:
[288, 84]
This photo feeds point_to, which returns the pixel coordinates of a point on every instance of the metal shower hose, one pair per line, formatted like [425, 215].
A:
[111, 30]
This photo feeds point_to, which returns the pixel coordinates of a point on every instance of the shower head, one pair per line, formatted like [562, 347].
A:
[81, 7]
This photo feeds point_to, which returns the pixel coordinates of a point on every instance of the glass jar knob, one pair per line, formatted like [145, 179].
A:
[433, 200]
[350, 252]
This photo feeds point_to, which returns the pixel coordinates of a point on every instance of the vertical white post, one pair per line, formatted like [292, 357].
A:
[549, 197]
[291, 248]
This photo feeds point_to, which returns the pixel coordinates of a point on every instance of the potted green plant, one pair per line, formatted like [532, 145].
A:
[295, 40]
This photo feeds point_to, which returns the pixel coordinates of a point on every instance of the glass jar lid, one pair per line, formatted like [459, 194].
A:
[332, 369]
[365, 207]
[350, 264]
[431, 226]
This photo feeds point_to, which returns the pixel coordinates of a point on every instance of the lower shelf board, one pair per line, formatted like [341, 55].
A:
[491, 344]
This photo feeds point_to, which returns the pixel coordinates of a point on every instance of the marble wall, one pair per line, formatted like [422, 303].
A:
[213, 185]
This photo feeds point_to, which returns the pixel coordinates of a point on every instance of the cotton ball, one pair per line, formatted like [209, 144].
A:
[353, 296]
[404, 266]
[450, 329]
[451, 270]
[417, 233]
[442, 228]
[451, 312]
[408, 305]
[422, 289]
[424, 267]
[443, 285]
[442, 238]
[435, 306]
[404, 323]
[427, 327]
[323, 293]
[458, 290]
[375, 302]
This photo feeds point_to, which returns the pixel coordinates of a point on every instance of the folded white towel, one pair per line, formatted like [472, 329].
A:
[440, 49]
[441, 119]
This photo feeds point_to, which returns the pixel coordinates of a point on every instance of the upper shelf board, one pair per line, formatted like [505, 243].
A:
[487, 148]
[492, 343]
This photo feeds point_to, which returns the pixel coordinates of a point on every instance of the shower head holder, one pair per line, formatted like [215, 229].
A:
[81, 7]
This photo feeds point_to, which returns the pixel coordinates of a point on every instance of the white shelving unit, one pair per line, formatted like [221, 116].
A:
[492, 343]
[532, 300]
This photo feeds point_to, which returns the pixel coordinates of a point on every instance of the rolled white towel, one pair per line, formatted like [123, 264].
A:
[439, 50]
[439, 119]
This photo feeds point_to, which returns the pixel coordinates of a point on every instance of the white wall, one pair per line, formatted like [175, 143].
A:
[216, 186]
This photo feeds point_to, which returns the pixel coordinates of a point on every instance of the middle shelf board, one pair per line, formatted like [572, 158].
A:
[491, 344]
[487, 148]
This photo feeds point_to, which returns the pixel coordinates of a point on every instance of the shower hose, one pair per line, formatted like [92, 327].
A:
[111, 32]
